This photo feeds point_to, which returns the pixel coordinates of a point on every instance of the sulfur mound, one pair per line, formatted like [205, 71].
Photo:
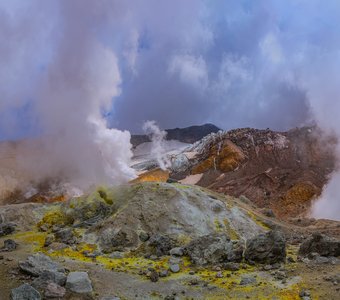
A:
[157, 216]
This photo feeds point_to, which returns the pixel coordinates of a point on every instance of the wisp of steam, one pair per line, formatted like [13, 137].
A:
[158, 149]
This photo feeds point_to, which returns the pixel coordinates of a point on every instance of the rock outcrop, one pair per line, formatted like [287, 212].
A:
[214, 249]
[320, 244]
[267, 248]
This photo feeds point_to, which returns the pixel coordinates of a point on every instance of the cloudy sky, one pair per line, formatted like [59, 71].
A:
[234, 63]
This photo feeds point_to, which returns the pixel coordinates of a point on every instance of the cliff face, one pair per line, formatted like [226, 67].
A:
[283, 171]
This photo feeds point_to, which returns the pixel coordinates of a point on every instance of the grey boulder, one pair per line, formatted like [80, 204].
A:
[267, 248]
[6, 229]
[53, 291]
[25, 292]
[79, 282]
[47, 277]
[321, 244]
[36, 264]
[214, 249]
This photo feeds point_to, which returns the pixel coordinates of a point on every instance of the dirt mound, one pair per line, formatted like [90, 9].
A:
[283, 171]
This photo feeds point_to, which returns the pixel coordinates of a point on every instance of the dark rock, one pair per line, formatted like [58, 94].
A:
[214, 249]
[6, 229]
[305, 294]
[266, 248]
[9, 245]
[143, 236]
[161, 244]
[36, 264]
[279, 275]
[66, 236]
[54, 290]
[321, 244]
[163, 273]
[267, 267]
[290, 259]
[268, 212]
[153, 275]
[230, 266]
[48, 276]
[25, 292]
[49, 240]
[112, 240]
[79, 282]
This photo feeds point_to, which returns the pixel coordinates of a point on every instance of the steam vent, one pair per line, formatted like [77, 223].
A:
[169, 150]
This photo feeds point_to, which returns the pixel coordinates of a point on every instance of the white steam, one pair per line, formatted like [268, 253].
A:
[74, 81]
[158, 149]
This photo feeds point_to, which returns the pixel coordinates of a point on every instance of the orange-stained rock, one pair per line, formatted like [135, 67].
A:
[152, 176]
[224, 157]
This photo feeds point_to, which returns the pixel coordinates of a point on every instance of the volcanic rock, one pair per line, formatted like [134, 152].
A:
[36, 264]
[6, 229]
[213, 249]
[162, 244]
[54, 290]
[174, 268]
[25, 292]
[266, 248]
[79, 282]
[178, 251]
[321, 244]
[9, 245]
[48, 276]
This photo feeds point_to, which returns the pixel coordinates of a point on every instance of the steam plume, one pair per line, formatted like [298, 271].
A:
[157, 138]
[76, 79]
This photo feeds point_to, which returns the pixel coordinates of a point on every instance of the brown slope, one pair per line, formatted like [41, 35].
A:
[283, 171]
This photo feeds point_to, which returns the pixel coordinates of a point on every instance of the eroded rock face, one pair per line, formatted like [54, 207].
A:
[214, 249]
[266, 248]
[321, 244]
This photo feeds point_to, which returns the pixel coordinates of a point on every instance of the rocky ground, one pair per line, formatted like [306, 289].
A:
[161, 241]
